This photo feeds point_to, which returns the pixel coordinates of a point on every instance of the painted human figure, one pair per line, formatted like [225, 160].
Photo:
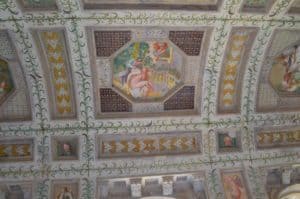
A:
[294, 61]
[124, 75]
[66, 149]
[160, 49]
[2, 194]
[228, 141]
[291, 78]
[2, 87]
[234, 187]
[65, 194]
[138, 81]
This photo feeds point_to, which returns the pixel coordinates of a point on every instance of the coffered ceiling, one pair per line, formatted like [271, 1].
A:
[132, 99]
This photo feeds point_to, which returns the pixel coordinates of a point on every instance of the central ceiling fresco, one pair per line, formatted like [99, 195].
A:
[149, 99]
[147, 71]
[152, 70]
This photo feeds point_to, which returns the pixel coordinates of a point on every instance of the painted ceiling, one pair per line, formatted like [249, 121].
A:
[142, 99]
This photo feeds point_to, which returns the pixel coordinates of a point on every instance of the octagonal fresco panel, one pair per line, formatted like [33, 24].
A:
[285, 73]
[147, 70]
[6, 81]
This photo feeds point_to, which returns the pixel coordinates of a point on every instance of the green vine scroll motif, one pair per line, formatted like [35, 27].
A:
[88, 151]
[254, 61]
[70, 13]
[8, 5]
[279, 7]
[53, 19]
[66, 170]
[256, 181]
[42, 189]
[84, 76]
[226, 122]
[248, 138]
[19, 172]
[213, 184]
[125, 168]
[69, 6]
[275, 119]
[19, 130]
[211, 70]
[284, 157]
[43, 149]
[65, 129]
[87, 189]
[153, 125]
[232, 6]
[30, 62]
[208, 142]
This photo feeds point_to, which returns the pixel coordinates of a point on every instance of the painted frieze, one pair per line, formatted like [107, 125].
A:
[277, 138]
[153, 4]
[158, 144]
[236, 57]
[13, 150]
[56, 63]
[14, 93]
[147, 71]
[279, 81]
[234, 184]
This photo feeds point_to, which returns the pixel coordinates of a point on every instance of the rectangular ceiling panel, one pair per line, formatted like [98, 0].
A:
[55, 61]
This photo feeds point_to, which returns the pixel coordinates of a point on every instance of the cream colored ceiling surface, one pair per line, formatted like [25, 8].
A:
[217, 115]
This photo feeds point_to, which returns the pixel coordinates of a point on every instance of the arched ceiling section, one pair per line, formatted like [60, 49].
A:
[137, 99]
